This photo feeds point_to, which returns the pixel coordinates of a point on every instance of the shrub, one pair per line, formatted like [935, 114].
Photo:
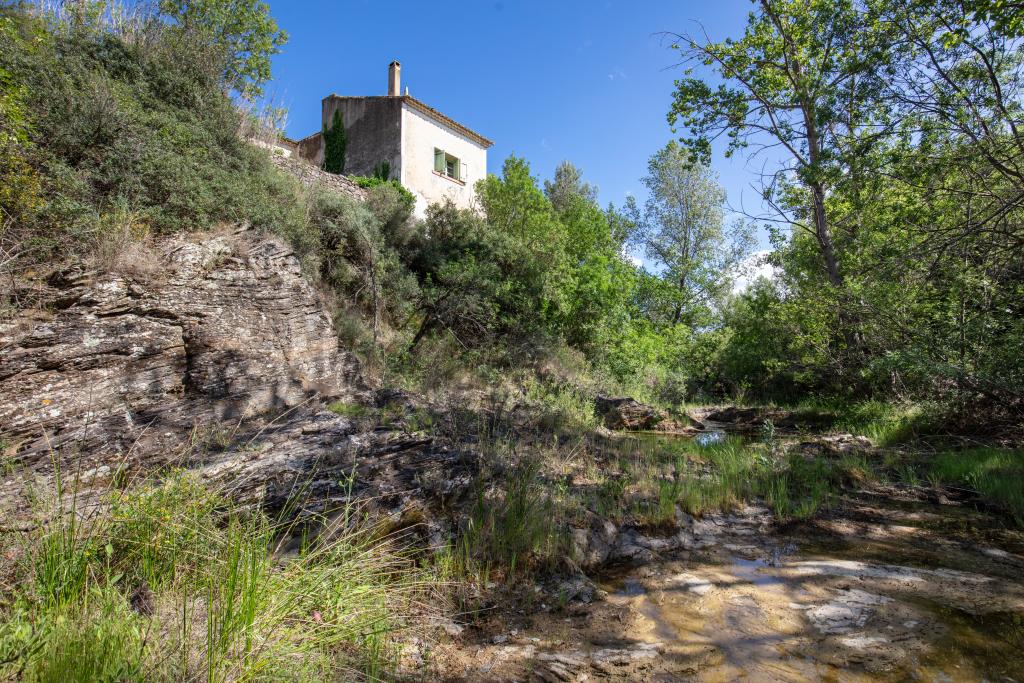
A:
[380, 180]
[516, 530]
[335, 144]
[173, 582]
[133, 124]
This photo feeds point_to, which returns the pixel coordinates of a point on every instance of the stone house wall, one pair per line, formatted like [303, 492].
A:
[374, 128]
[421, 135]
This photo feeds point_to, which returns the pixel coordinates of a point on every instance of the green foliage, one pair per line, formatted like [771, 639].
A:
[596, 291]
[461, 280]
[515, 530]
[177, 512]
[335, 143]
[103, 641]
[774, 348]
[568, 186]
[354, 410]
[529, 248]
[681, 232]
[357, 248]
[130, 134]
[899, 124]
[377, 181]
[242, 32]
[18, 180]
[996, 474]
[382, 171]
[561, 408]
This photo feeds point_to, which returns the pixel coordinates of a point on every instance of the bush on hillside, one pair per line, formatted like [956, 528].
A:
[129, 128]
[369, 182]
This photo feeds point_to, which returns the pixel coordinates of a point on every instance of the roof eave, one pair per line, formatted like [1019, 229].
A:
[429, 111]
[448, 121]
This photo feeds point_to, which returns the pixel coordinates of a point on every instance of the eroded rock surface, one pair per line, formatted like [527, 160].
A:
[834, 445]
[871, 593]
[226, 329]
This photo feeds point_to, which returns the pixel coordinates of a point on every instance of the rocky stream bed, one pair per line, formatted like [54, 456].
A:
[886, 586]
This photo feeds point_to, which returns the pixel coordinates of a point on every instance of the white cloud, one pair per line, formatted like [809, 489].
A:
[631, 255]
[750, 269]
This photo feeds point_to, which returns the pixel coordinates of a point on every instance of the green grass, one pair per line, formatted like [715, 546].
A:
[885, 423]
[352, 410]
[660, 474]
[514, 530]
[997, 474]
[560, 408]
[170, 581]
[608, 497]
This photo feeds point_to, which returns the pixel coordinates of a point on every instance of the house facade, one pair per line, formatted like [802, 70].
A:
[433, 156]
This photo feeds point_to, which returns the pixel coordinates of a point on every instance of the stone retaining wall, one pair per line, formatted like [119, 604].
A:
[312, 176]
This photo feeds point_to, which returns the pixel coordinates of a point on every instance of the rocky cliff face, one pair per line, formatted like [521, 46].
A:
[224, 329]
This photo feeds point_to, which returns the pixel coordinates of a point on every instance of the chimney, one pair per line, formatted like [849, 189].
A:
[394, 79]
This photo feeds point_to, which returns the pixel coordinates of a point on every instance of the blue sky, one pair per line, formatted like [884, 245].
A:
[586, 81]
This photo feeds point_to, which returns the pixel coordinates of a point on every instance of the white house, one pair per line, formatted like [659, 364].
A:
[433, 156]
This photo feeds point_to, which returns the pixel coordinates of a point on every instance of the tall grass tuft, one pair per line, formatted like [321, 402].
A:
[513, 530]
[171, 581]
[996, 474]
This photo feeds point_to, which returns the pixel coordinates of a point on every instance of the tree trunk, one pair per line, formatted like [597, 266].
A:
[425, 327]
[824, 235]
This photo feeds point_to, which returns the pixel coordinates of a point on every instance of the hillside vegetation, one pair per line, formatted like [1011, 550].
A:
[894, 311]
[113, 137]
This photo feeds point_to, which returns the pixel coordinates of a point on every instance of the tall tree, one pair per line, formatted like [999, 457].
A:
[243, 30]
[803, 79]
[681, 229]
[959, 90]
[568, 183]
[529, 245]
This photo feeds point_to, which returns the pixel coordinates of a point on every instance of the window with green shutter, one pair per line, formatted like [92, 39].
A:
[448, 165]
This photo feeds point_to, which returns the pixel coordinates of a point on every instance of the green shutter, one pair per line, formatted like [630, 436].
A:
[438, 161]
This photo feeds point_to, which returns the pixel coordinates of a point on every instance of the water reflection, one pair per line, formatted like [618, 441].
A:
[709, 437]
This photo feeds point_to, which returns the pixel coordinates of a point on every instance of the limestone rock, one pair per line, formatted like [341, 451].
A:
[226, 330]
[835, 445]
[592, 545]
[741, 418]
[625, 413]
[383, 473]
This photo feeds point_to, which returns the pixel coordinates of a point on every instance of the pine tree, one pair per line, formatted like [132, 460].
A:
[335, 142]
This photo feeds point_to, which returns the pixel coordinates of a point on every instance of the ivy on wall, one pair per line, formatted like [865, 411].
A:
[335, 142]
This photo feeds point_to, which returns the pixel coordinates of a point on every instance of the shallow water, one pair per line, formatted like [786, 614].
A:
[887, 589]
[710, 437]
[882, 587]
[789, 613]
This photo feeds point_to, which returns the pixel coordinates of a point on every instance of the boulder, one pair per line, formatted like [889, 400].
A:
[733, 416]
[625, 413]
[835, 445]
[592, 545]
